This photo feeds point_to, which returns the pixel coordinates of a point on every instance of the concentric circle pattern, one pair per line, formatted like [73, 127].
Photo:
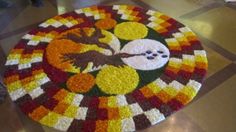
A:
[105, 68]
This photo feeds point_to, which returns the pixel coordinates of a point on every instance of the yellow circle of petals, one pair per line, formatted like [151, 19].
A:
[131, 30]
[117, 80]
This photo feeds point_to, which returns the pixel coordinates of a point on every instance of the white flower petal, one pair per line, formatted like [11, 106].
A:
[12, 62]
[176, 85]
[24, 66]
[121, 100]
[136, 109]
[81, 113]
[160, 83]
[17, 94]
[77, 99]
[63, 123]
[154, 116]
[194, 84]
[36, 92]
[128, 125]
[33, 43]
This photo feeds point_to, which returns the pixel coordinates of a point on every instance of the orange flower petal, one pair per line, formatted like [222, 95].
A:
[105, 24]
[81, 83]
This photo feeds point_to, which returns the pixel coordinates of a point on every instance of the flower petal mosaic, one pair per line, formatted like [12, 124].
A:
[105, 68]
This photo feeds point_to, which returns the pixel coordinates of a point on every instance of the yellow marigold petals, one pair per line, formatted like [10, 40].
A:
[131, 30]
[108, 37]
[125, 112]
[114, 126]
[50, 119]
[117, 80]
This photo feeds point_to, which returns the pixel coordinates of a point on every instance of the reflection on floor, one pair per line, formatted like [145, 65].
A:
[213, 20]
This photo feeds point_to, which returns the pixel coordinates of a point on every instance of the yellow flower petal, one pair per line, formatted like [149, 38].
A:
[131, 30]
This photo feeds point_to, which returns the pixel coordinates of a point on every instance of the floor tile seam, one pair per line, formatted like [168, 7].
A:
[18, 31]
[10, 14]
[53, 3]
[217, 48]
[144, 4]
[201, 10]
[216, 80]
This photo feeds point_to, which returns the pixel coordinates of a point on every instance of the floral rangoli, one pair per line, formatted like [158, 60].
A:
[105, 68]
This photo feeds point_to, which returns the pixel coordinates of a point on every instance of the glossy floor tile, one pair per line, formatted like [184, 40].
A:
[70, 5]
[176, 9]
[9, 124]
[120, 2]
[178, 122]
[31, 15]
[215, 112]
[8, 43]
[213, 61]
[218, 25]
[8, 14]
[28, 124]
[2, 60]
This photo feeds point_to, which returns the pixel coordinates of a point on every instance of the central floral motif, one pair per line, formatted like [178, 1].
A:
[85, 51]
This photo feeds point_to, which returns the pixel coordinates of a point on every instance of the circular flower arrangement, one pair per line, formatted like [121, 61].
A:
[105, 68]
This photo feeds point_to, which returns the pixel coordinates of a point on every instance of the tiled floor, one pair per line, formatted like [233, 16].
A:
[175, 9]
[221, 20]
[214, 108]
[28, 15]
